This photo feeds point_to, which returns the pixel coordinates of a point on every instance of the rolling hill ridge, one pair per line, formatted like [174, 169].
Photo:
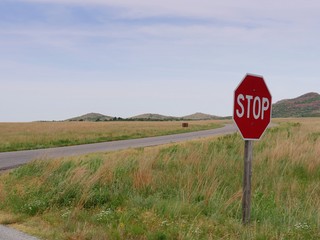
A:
[96, 117]
[307, 105]
[91, 117]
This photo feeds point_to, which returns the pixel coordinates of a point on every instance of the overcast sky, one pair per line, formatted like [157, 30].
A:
[64, 58]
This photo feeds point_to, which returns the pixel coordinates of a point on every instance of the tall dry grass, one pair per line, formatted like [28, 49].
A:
[190, 190]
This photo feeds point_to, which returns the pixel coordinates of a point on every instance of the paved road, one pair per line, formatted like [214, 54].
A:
[7, 233]
[13, 159]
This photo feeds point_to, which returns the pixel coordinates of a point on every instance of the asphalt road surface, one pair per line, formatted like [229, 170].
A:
[10, 160]
[7, 233]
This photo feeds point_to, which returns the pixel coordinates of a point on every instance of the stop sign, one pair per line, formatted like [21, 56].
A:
[252, 107]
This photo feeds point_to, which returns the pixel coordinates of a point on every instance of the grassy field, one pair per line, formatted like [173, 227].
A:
[190, 190]
[35, 135]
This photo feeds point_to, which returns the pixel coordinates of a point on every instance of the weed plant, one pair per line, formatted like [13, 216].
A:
[190, 190]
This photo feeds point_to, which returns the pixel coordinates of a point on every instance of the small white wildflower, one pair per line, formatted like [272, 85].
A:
[66, 214]
[104, 214]
[164, 223]
[301, 226]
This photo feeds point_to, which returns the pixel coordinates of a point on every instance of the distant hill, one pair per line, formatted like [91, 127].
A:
[153, 116]
[158, 117]
[200, 116]
[307, 105]
[96, 117]
[91, 117]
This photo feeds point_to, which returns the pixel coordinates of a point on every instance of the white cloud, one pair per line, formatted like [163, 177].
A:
[227, 9]
[188, 58]
[276, 23]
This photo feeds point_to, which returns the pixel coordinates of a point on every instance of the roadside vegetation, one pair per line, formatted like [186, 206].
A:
[189, 190]
[36, 135]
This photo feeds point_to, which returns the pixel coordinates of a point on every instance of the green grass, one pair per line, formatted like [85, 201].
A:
[37, 135]
[191, 190]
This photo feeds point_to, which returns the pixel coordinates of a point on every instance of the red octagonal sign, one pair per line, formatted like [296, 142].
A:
[252, 107]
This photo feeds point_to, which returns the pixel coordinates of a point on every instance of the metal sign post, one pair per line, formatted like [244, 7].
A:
[246, 197]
